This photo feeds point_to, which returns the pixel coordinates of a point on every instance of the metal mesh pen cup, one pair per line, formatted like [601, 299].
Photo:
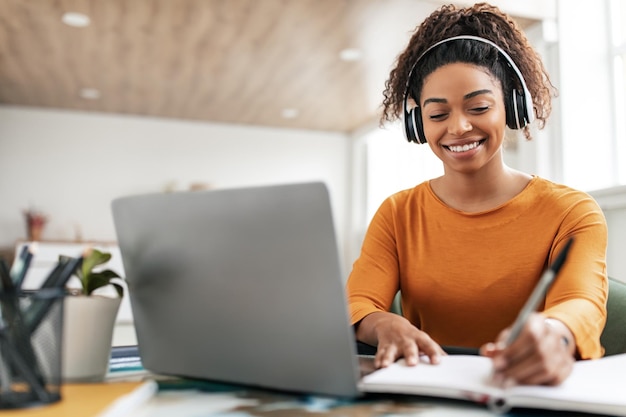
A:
[31, 329]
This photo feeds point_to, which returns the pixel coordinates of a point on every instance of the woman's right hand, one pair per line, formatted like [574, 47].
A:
[395, 337]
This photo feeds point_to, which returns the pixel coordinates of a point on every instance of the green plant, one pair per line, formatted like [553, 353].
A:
[92, 280]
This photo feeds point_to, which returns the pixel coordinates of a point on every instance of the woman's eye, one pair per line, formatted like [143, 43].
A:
[479, 109]
[439, 116]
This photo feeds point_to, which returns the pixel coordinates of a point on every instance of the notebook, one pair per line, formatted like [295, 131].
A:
[239, 285]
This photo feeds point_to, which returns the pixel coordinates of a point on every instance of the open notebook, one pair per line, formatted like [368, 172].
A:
[595, 386]
[244, 286]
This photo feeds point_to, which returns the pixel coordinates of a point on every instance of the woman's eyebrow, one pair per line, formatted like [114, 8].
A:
[465, 97]
[477, 93]
[434, 100]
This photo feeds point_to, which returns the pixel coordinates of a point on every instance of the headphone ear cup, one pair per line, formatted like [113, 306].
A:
[516, 111]
[416, 115]
[413, 126]
[510, 108]
[409, 126]
[522, 110]
[413, 123]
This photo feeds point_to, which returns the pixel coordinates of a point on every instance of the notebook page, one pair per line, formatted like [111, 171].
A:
[592, 382]
[456, 376]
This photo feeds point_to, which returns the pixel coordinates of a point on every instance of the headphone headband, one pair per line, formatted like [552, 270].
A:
[519, 111]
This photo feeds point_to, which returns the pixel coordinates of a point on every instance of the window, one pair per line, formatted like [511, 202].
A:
[393, 164]
[618, 14]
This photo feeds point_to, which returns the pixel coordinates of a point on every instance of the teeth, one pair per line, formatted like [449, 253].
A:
[464, 148]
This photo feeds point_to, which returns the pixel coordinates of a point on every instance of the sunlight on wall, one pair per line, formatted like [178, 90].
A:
[393, 164]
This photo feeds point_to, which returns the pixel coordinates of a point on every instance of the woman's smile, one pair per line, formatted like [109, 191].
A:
[464, 147]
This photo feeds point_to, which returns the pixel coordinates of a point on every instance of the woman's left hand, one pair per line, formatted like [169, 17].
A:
[542, 354]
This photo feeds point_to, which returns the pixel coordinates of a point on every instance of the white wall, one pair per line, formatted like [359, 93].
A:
[71, 165]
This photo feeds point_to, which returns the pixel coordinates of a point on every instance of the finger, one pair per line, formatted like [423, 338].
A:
[431, 349]
[489, 350]
[380, 353]
[504, 334]
[529, 372]
[411, 353]
[386, 356]
[551, 367]
[542, 376]
[516, 355]
[526, 346]
[496, 351]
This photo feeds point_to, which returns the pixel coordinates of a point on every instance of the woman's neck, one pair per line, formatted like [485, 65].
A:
[479, 191]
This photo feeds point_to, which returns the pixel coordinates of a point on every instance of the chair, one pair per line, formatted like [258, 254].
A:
[613, 336]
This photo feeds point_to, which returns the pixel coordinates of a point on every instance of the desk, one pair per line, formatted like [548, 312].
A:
[78, 400]
[89, 400]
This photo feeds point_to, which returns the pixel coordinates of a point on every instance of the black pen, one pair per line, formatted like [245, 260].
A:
[38, 309]
[6, 284]
[21, 264]
[538, 293]
[61, 273]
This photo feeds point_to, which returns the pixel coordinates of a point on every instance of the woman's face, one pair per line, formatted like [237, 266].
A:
[463, 116]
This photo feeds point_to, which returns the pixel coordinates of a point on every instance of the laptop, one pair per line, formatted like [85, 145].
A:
[239, 285]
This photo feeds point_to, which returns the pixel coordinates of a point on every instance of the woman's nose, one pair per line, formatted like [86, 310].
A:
[458, 124]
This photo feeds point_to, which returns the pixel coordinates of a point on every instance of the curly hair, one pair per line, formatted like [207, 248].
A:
[482, 20]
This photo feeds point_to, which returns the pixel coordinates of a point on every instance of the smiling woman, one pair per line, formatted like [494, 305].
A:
[451, 245]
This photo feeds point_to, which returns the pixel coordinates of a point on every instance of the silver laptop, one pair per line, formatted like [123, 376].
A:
[239, 285]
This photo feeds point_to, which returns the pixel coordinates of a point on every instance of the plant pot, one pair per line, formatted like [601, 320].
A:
[87, 336]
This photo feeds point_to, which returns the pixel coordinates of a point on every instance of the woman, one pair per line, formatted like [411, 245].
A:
[466, 249]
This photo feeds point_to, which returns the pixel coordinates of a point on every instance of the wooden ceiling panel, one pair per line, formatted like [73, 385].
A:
[230, 61]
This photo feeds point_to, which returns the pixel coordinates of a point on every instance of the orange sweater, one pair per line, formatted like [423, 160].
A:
[465, 276]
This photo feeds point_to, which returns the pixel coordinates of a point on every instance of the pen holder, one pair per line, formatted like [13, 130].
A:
[30, 347]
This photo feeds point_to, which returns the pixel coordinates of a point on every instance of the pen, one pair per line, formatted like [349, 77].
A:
[37, 310]
[538, 293]
[62, 272]
[21, 264]
[6, 284]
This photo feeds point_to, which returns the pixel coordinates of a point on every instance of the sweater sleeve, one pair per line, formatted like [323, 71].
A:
[374, 281]
[578, 296]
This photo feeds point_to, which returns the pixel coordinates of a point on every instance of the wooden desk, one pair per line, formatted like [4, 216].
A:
[77, 400]
[89, 400]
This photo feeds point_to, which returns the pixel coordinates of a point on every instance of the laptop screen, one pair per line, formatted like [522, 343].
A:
[239, 285]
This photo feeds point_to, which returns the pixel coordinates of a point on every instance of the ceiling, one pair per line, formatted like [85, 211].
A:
[228, 61]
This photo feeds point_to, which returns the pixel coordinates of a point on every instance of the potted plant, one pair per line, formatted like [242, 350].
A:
[89, 316]
[91, 279]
